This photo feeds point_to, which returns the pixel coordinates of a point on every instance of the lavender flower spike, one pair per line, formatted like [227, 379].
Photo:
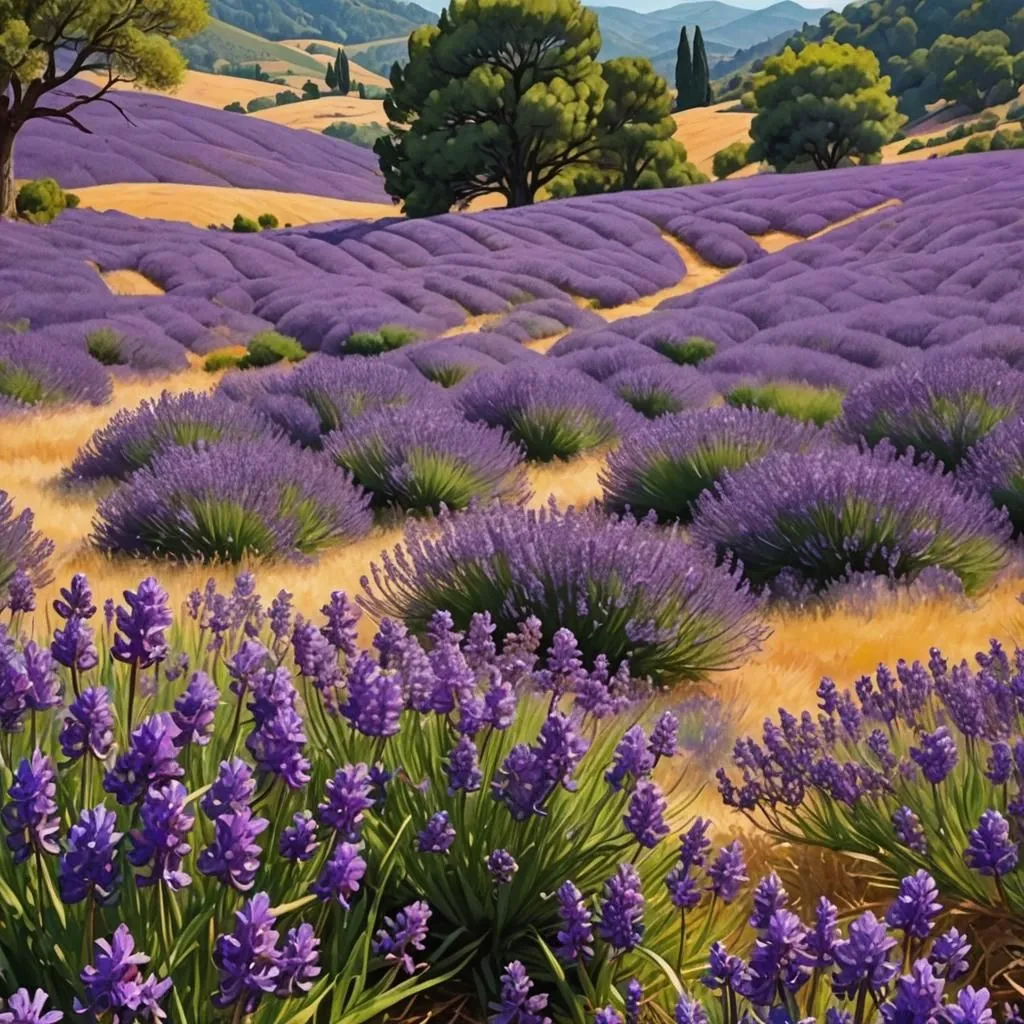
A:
[407, 931]
[437, 836]
[502, 867]
[162, 841]
[90, 864]
[24, 1007]
[31, 815]
[340, 877]
[990, 851]
[517, 1006]
[247, 959]
[114, 984]
[622, 910]
[576, 936]
[916, 905]
[728, 872]
[234, 855]
[645, 817]
[141, 638]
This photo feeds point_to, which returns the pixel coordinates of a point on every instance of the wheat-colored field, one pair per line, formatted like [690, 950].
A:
[706, 130]
[316, 115]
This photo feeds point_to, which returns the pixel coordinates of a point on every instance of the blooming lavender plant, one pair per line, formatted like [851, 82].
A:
[22, 549]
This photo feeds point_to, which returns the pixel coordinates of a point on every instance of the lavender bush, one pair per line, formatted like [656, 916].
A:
[658, 390]
[921, 768]
[628, 591]
[424, 457]
[551, 415]
[995, 466]
[796, 400]
[665, 466]
[232, 500]
[134, 437]
[939, 409]
[49, 374]
[24, 554]
[800, 522]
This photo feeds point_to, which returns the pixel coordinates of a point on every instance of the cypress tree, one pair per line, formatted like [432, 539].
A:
[342, 73]
[684, 72]
[701, 72]
[330, 78]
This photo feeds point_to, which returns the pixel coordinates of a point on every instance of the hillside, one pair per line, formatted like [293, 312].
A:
[338, 20]
[220, 43]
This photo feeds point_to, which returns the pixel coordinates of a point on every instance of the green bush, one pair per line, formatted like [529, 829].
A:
[269, 347]
[729, 160]
[222, 359]
[282, 99]
[244, 225]
[689, 352]
[235, 107]
[978, 144]
[912, 146]
[310, 90]
[104, 345]
[795, 400]
[385, 339]
[260, 103]
[364, 135]
[267, 221]
[40, 201]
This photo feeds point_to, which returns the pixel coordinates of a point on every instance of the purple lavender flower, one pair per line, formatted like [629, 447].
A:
[937, 755]
[233, 857]
[726, 973]
[564, 670]
[694, 845]
[971, 1007]
[248, 960]
[999, 767]
[315, 657]
[45, 690]
[405, 932]
[195, 710]
[689, 1011]
[632, 758]
[499, 701]
[299, 962]
[576, 935]
[75, 599]
[683, 890]
[346, 797]
[25, 1007]
[517, 1006]
[141, 638]
[916, 905]
[863, 958]
[437, 836]
[162, 842]
[150, 760]
[115, 985]
[622, 910]
[271, 692]
[74, 646]
[918, 997]
[280, 616]
[277, 747]
[298, 841]
[607, 1015]
[728, 872]
[779, 958]
[502, 867]
[949, 955]
[907, 826]
[479, 648]
[375, 698]
[664, 736]
[463, 767]
[340, 876]
[90, 867]
[645, 817]
[634, 997]
[342, 623]
[21, 594]
[89, 725]
[231, 791]
[31, 815]
[824, 934]
[990, 851]
[769, 896]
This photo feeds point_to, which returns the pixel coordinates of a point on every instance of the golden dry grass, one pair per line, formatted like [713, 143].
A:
[357, 72]
[316, 115]
[130, 282]
[203, 205]
[706, 130]
[209, 90]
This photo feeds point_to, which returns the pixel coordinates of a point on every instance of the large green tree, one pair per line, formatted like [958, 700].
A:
[47, 44]
[822, 106]
[976, 71]
[501, 96]
[635, 148]
[684, 72]
[342, 75]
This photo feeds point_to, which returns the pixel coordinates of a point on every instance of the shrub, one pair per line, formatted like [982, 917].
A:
[133, 437]
[995, 466]
[22, 549]
[912, 146]
[41, 201]
[553, 416]
[324, 393]
[939, 409]
[260, 103]
[810, 520]
[269, 347]
[285, 97]
[223, 359]
[731, 159]
[232, 500]
[267, 221]
[244, 225]
[687, 353]
[364, 135]
[665, 466]
[49, 373]
[448, 365]
[422, 458]
[658, 390]
[310, 90]
[384, 339]
[235, 107]
[796, 400]
[926, 752]
[629, 591]
[104, 345]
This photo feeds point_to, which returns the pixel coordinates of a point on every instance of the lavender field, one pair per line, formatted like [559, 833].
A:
[379, 731]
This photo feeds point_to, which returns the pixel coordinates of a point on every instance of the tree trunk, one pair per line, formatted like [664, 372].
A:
[522, 194]
[7, 193]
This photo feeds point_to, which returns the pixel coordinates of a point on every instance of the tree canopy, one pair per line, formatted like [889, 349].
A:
[824, 105]
[44, 46]
[508, 97]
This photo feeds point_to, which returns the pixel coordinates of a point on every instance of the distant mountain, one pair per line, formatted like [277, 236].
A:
[343, 21]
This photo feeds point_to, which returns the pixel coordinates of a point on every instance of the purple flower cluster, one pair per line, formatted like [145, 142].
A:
[22, 548]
